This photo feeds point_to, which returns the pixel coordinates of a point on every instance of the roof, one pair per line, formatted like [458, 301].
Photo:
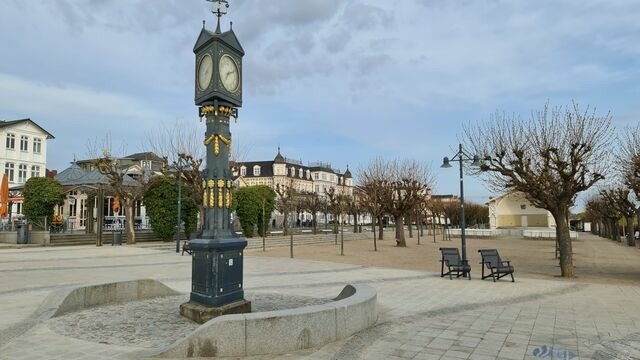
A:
[145, 156]
[347, 174]
[7, 123]
[75, 175]
[227, 37]
[266, 168]
[279, 159]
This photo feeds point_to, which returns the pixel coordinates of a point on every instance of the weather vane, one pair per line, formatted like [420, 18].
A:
[218, 10]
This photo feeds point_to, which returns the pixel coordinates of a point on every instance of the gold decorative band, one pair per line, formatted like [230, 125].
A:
[221, 110]
[216, 145]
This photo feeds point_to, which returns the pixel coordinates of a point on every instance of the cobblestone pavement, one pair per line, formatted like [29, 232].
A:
[422, 316]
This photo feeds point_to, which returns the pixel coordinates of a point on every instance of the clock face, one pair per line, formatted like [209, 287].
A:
[229, 74]
[205, 70]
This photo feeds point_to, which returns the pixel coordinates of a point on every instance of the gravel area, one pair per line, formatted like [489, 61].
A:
[154, 322]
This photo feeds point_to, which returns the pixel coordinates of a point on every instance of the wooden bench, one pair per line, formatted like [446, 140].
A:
[497, 268]
[451, 259]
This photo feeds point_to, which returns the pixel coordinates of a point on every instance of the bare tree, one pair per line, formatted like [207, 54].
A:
[313, 203]
[128, 189]
[557, 154]
[372, 181]
[400, 187]
[629, 161]
[621, 203]
[286, 202]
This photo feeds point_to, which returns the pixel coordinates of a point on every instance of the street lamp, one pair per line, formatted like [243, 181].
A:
[460, 157]
[179, 165]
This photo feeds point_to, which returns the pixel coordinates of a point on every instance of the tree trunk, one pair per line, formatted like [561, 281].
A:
[564, 242]
[285, 223]
[131, 234]
[380, 228]
[400, 241]
[630, 238]
[355, 223]
[315, 223]
[409, 222]
[375, 243]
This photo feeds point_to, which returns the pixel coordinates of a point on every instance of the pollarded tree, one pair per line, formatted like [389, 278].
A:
[629, 161]
[313, 203]
[160, 199]
[552, 157]
[286, 202]
[40, 196]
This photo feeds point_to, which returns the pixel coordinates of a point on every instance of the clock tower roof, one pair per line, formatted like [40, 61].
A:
[228, 37]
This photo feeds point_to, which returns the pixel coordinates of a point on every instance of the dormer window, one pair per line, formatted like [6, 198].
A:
[243, 170]
[293, 171]
[256, 170]
[300, 173]
[308, 174]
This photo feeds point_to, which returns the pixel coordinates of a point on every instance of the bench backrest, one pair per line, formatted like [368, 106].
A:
[451, 256]
[490, 257]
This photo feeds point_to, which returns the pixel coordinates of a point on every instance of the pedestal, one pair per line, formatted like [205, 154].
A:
[201, 314]
[216, 279]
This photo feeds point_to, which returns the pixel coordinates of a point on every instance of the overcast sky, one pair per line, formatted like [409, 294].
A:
[335, 81]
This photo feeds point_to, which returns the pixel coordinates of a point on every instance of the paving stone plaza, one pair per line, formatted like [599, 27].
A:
[422, 316]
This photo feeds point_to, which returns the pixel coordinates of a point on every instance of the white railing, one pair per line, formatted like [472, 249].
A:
[474, 232]
[545, 233]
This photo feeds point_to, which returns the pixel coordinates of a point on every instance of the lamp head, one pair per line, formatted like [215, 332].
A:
[476, 161]
[445, 163]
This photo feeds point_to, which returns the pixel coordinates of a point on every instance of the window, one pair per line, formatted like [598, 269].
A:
[145, 164]
[8, 170]
[300, 173]
[22, 173]
[316, 176]
[243, 171]
[317, 188]
[293, 171]
[256, 170]
[11, 141]
[24, 143]
[83, 212]
[324, 176]
[308, 174]
[37, 145]
[35, 171]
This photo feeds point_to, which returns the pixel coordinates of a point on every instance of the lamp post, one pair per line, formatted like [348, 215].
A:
[461, 157]
[179, 166]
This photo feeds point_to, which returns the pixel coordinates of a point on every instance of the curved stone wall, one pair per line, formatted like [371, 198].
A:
[283, 331]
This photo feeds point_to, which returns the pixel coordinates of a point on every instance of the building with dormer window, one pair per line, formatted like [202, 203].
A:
[316, 177]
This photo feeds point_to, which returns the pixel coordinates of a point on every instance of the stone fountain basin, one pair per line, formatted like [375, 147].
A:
[258, 333]
[281, 331]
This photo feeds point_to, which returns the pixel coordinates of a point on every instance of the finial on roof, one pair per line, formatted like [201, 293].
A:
[203, 22]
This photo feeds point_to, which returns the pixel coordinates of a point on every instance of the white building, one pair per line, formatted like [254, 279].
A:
[315, 177]
[24, 154]
[513, 210]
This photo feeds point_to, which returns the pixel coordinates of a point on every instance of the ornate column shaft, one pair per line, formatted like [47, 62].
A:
[217, 184]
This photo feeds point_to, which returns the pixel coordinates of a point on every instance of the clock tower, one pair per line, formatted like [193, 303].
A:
[217, 259]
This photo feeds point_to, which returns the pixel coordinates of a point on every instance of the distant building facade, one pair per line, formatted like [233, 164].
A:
[82, 178]
[513, 210]
[316, 177]
[23, 156]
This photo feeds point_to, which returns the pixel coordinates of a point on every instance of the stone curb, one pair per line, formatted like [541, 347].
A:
[81, 297]
[282, 331]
